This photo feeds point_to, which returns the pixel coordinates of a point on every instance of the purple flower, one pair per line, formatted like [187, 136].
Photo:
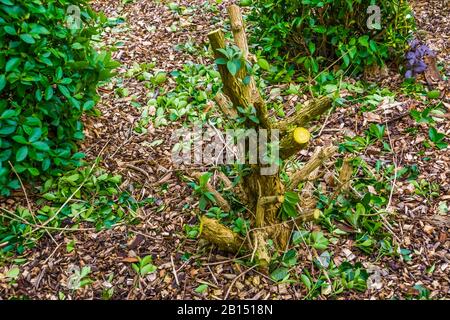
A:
[409, 74]
[411, 56]
[420, 67]
[415, 63]
[413, 43]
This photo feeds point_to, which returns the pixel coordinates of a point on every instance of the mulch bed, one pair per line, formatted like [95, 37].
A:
[148, 172]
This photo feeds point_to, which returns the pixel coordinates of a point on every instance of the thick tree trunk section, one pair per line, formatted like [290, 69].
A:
[263, 194]
[226, 107]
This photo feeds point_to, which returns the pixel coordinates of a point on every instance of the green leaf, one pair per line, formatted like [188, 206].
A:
[291, 197]
[38, 95]
[146, 260]
[255, 119]
[434, 94]
[203, 180]
[59, 73]
[64, 91]
[48, 93]
[300, 236]
[346, 59]
[77, 46]
[85, 271]
[49, 196]
[35, 135]
[232, 67]
[7, 130]
[173, 6]
[319, 241]
[8, 114]
[245, 3]
[12, 64]
[2, 82]
[224, 52]
[320, 29]
[33, 171]
[290, 258]
[10, 30]
[314, 65]
[202, 203]
[306, 281]
[20, 139]
[312, 47]
[72, 178]
[364, 41]
[70, 246]
[221, 61]
[160, 78]
[88, 105]
[65, 81]
[33, 122]
[21, 153]
[210, 196]
[434, 135]
[14, 184]
[135, 268]
[38, 29]
[263, 64]
[201, 288]
[27, 38]
[42, 146]
[13, 273]
[7, 2]
[149, 268]
[280, 274]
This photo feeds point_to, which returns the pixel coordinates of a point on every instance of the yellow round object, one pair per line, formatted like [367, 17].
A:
[317, 214]
[301, 135]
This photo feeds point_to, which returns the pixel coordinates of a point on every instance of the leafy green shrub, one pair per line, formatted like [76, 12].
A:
[316, 33]
[49, 71]
[84, 195]
[196, 86]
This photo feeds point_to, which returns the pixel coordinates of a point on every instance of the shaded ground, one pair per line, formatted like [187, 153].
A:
[148, 172]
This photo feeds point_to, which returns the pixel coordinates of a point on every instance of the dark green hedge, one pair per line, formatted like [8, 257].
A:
[49, 72]
[316, 33]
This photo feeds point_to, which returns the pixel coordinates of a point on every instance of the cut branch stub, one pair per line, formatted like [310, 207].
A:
[315, 162]
[295, 141]
[260, 247]
[238, 29]
[301, 135]
[345, 174]
[303, 116]
[222, 236]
